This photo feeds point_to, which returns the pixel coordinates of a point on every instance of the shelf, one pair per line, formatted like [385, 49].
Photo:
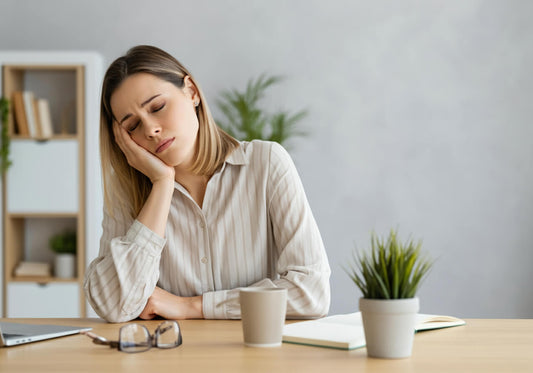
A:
[55, 137]
[41, 279]
[44, 215]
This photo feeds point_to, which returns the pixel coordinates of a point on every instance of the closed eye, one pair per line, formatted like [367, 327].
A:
[157, 108]
[133, 126]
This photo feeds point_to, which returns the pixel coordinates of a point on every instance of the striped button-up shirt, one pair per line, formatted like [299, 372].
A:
[255, 228]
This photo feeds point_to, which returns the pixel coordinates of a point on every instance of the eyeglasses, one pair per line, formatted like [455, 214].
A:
[136, 338]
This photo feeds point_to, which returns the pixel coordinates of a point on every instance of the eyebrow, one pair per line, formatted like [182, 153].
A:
[143, 104]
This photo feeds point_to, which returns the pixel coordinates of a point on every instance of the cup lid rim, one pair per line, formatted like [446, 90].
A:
[262, 290]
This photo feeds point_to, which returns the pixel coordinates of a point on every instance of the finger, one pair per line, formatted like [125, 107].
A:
[120, 136]
[147, 313]
[147, 316]
[129, 147]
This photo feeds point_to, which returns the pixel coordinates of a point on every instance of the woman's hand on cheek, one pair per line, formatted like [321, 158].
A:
[141, 159]
[172, 307]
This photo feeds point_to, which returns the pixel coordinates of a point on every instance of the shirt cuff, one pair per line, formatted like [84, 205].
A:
[222, 304]
[143, 236]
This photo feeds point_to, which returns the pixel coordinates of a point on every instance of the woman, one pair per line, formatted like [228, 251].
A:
[191, 215]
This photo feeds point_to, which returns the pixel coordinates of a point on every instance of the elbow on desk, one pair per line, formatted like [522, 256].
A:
[113, 316]
[313, 311]
[317, 306]
[322, 307]
[116, 318]
[109, 314]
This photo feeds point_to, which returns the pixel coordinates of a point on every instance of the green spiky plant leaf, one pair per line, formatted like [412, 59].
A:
[245, 120]
[5, 162]
[391, 269]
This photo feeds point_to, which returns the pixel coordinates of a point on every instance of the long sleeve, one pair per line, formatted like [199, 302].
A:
[255, 228]
[301, 262]
[120, 280]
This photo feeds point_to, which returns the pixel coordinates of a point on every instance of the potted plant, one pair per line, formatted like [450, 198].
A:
[246, 120]
[64, 246]
[389, 276]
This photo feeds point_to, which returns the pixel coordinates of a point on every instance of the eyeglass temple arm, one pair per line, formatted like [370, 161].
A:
[100, 340]
[162, 330]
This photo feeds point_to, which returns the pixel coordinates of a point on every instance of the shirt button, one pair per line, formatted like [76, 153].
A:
[204, 260]
[202, 224]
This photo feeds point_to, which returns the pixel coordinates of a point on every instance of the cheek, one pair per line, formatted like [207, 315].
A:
[193, 119]
[139, 139]
[195, 126]
[186, 121]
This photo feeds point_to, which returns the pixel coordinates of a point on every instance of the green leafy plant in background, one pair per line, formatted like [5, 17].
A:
[246, 120]
[5, 162]
[391, 269]
[64, 243]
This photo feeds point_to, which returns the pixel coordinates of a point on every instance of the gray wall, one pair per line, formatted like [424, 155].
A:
[420, 117]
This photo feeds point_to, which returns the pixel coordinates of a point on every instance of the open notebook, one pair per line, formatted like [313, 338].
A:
[346, 331]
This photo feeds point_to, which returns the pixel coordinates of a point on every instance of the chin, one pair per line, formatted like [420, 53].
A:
[178, 156]
[175, 161]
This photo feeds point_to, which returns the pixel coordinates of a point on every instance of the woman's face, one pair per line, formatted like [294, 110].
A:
[159, 116]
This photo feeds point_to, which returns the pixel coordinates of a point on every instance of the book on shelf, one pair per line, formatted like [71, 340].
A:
[33, 269]
[29, 109]
[45, 119]
[346, 331]
[38, 133]
[21, 123]
[32, 115]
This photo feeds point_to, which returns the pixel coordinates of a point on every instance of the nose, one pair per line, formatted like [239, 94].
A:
[151, 128]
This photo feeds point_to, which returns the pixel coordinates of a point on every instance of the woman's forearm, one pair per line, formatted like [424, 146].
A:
[154, 213]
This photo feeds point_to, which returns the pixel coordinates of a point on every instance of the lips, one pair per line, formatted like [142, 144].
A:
[163, 145]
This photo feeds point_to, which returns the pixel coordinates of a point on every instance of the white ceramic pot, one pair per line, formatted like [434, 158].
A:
[65, 266]
[389, 326]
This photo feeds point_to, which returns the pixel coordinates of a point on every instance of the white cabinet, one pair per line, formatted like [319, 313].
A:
[47, 300]
[46, 171]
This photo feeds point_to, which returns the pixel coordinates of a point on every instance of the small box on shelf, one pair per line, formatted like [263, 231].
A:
[33, 269]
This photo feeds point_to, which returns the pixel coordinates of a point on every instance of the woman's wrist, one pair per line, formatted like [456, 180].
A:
[165, 182]
[195, 307]
[164, 178]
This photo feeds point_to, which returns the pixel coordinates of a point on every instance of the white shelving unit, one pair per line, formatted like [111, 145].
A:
[52, 184]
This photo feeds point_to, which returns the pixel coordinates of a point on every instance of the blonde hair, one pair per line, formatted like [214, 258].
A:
[125, 187]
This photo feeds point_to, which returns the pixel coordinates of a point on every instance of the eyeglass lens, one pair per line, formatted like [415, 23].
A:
[167, 335]
[134, 338]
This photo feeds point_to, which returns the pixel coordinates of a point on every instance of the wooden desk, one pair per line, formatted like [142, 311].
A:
[216, 346]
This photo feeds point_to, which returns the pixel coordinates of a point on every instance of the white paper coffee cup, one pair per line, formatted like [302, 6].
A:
[263, 315]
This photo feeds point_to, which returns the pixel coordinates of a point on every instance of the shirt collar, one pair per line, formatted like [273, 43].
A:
[237, 157]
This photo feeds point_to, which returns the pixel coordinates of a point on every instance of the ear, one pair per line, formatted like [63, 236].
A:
[191, 91]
